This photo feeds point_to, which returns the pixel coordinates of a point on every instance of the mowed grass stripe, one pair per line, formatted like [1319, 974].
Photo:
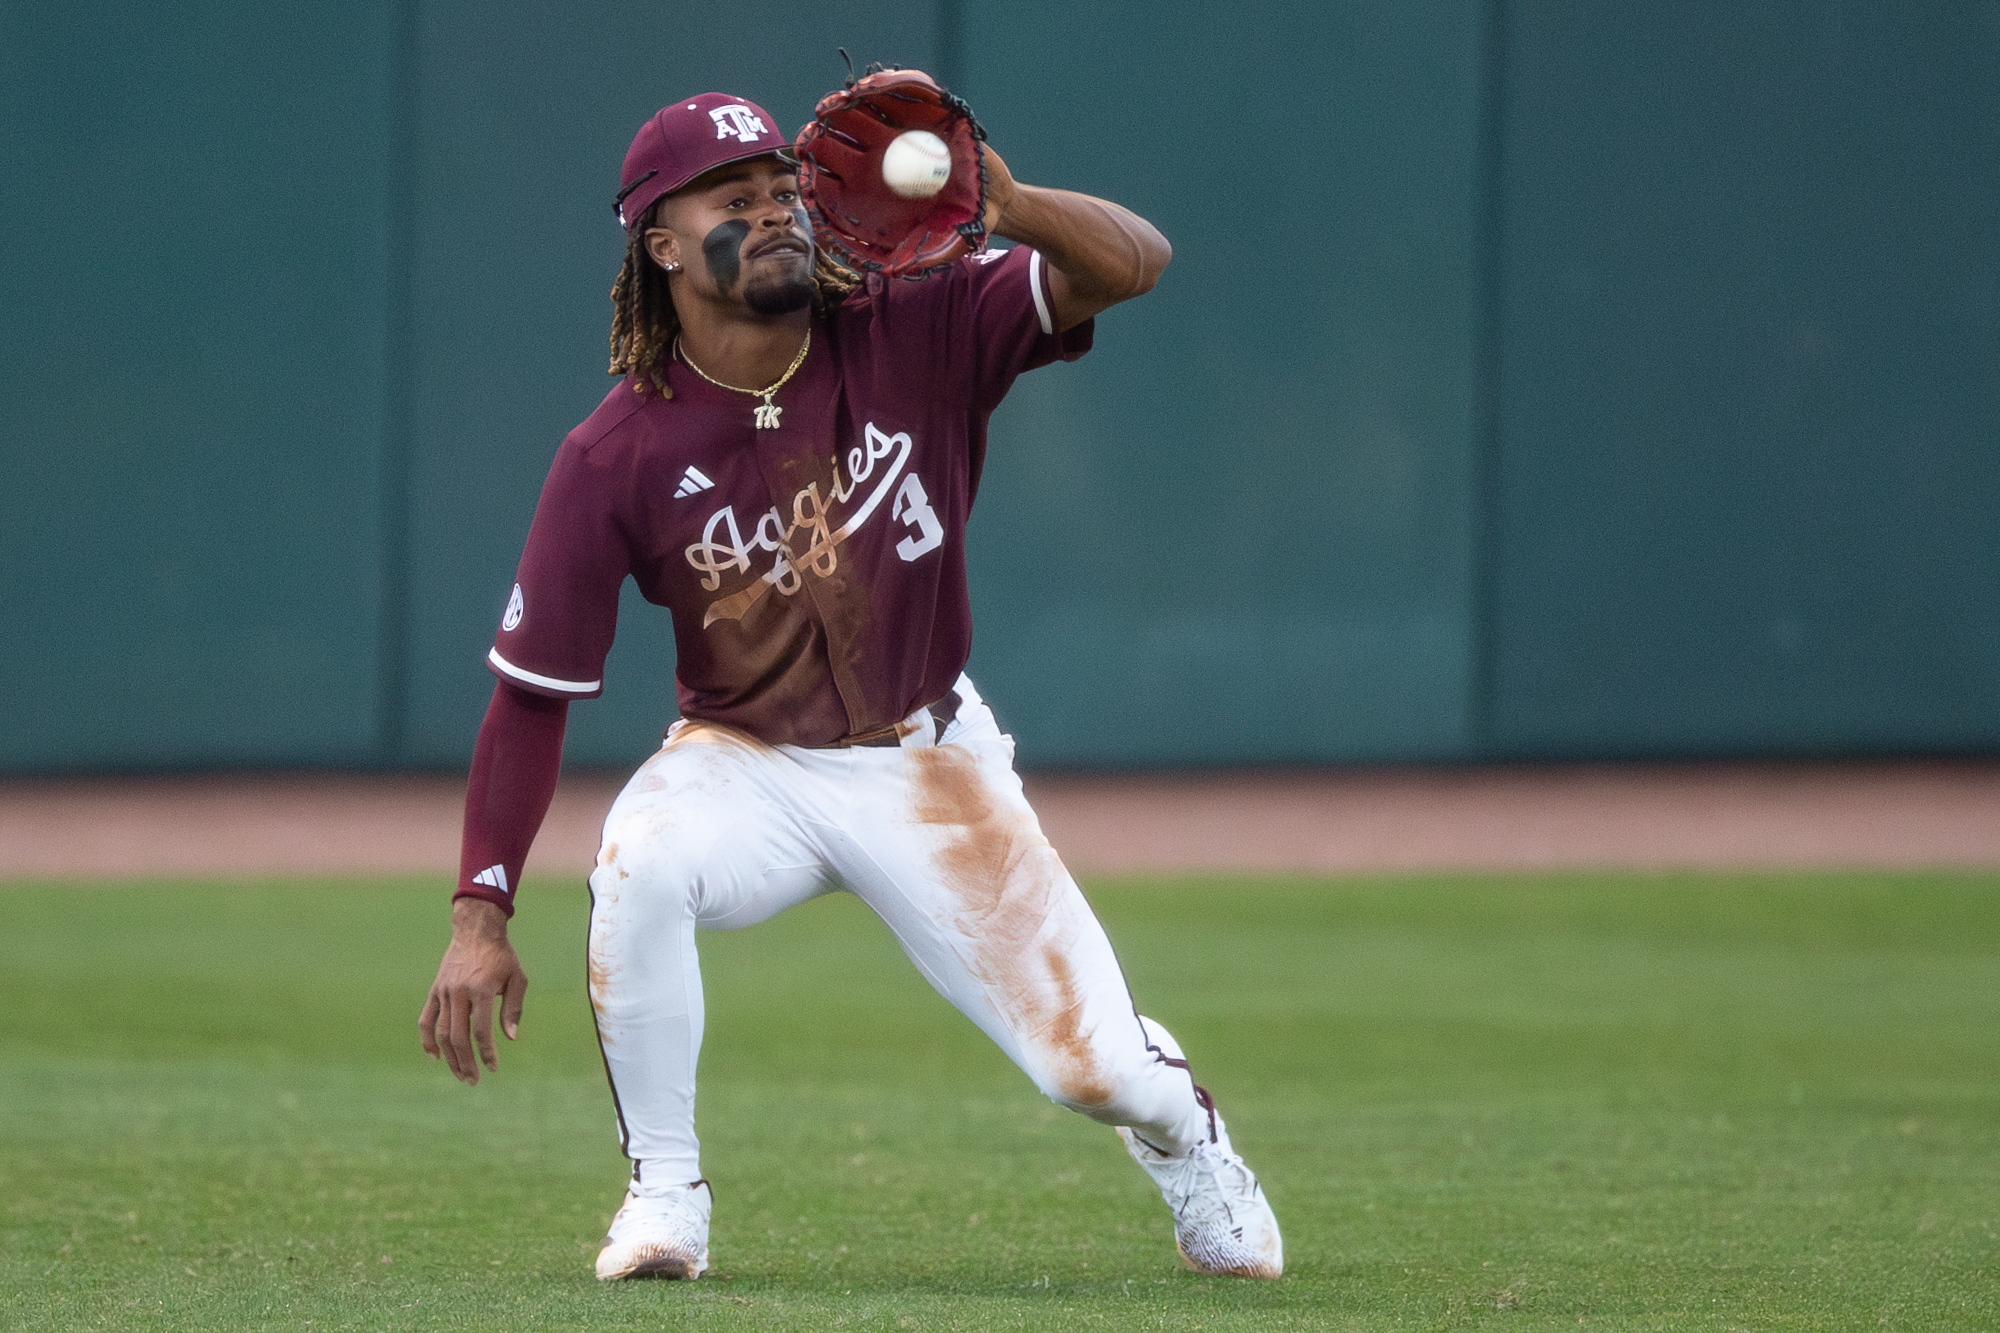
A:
[1609, 1101]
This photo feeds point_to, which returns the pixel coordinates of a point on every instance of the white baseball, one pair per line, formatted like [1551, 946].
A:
[916, 164]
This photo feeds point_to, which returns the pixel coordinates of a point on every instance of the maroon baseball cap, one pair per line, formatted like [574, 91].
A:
[686, 139]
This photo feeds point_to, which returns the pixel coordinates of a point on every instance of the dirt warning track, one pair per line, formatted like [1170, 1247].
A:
[1339, 821]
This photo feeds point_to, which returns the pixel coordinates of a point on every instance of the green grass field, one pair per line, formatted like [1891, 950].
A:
[1610, 1101]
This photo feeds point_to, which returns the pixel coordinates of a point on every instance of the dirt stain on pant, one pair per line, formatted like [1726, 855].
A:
[1007, 882]
[600, 979]
[604, 895]
[692, 733]
[600, 972]
[1083, 1083]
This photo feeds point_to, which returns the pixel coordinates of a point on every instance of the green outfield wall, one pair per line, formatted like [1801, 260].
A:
[1533, 380]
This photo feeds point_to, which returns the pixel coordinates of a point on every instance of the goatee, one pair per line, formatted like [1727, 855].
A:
[779, 296]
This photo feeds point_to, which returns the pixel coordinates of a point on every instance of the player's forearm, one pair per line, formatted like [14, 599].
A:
[1104, 253]
[514, 769]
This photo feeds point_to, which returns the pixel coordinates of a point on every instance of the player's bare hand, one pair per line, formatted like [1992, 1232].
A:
[479, 966]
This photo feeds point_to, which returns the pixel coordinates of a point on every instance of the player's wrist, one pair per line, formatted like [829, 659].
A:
[475, 914]
[1046, 219]
[1001, 188]
[1025, 218]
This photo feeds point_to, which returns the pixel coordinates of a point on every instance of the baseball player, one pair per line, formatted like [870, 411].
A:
[787, 466]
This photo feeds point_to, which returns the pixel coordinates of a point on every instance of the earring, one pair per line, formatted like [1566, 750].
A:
[673, 268]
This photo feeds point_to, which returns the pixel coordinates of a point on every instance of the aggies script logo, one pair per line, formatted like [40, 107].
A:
[738, 120]
[722, 547]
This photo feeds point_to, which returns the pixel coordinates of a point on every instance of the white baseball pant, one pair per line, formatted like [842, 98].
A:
[719, 831]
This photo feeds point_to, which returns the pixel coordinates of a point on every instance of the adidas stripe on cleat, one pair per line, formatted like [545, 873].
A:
[1222, 1225]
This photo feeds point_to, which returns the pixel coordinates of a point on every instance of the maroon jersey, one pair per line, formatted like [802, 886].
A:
[815, 572]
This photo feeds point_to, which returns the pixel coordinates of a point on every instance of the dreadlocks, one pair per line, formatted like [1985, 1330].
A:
[643, 322]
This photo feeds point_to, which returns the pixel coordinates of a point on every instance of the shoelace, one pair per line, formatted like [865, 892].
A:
[1232, 1179]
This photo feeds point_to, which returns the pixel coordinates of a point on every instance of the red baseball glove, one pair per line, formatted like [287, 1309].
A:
[856, 217]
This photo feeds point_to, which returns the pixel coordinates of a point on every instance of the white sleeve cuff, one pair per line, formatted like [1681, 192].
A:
[1036, 279]
[526, 677]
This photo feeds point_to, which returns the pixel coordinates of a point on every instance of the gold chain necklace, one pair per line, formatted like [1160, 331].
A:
[767, 414]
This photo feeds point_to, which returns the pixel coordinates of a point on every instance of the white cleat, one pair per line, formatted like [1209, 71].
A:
[659, 1235]
[1222, 1225]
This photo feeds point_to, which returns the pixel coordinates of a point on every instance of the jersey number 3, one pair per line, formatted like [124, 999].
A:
[913, 507]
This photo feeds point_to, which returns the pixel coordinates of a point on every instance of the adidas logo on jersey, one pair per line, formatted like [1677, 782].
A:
[493, 877]
[692, 483]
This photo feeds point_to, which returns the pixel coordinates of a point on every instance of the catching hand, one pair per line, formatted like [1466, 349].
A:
[856, 216]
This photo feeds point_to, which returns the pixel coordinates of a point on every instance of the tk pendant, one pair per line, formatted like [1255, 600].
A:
[767, 415]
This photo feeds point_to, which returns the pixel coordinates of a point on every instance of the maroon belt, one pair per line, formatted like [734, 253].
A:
[942, 712]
